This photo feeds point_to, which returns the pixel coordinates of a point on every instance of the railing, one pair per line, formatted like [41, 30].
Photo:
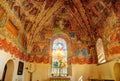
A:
[100, 80]
[60, 79]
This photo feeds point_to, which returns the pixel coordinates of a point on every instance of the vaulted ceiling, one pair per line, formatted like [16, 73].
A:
[37, 20]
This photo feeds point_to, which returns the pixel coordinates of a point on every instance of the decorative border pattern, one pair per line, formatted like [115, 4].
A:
[8, 47]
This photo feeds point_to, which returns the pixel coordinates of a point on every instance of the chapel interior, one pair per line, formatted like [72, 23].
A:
[59, 40]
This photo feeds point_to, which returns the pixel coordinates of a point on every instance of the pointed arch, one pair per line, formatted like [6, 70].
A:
[60, 51]
[100, 51]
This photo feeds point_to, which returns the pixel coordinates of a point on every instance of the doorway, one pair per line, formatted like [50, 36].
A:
[8, 71]
[117, 71]
[4, 73]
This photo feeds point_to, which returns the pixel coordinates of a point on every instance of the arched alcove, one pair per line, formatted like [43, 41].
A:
[8, 71]
[117, 71]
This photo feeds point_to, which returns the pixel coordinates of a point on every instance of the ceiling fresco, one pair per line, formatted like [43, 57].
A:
[34, 22]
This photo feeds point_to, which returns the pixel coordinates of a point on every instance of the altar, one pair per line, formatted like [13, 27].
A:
[60, 79]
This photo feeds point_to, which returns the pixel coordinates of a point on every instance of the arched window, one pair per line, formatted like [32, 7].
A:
[100, 51]
[59, 57]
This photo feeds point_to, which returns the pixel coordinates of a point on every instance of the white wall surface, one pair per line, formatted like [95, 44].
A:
[4, 57]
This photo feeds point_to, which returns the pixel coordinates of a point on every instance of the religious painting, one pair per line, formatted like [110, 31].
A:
[3, 17]
[34, 11]
[114, 46]
[42, 35]
[27, 5]
[36, 49]
[22, 17]
[117, 8]
[67, 25]
[22, 38]
[84, 52]
[72, 34]
[49, 3]
[80, 51]
[106, 1]
[99, 6]
[28, 25]
[92, 51]
[45, 50]
[78, 35]
[111, 36]
[59, 25]
[17, 10]
[11, 3]
[77, 51]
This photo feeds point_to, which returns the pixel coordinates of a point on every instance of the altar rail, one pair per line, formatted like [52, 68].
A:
[100, 80]
[60, 79]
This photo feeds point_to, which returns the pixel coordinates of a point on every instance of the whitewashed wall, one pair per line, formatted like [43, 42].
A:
[4, 58]
[88, 71]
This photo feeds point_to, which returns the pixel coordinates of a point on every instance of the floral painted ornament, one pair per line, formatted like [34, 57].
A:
[3, 20]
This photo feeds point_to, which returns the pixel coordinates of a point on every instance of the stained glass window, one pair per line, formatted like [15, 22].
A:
[100, 51]
[59, 57]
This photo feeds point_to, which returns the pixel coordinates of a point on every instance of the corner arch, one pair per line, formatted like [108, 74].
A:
[117, 71]
[8, 71]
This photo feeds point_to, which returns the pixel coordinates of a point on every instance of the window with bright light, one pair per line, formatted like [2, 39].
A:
[59, 57]
[100, 51]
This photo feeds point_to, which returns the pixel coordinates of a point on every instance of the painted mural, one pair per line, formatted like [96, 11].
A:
[9, 47]
[110, 33]
[3, 17]
[114, 42]
[22, 39]
[70, 21]
[82, 55]
[35, 49]
[19, 12]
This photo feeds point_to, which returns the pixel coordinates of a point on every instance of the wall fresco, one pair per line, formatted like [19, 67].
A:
[109, 31]
[82, 54]
[3, 17]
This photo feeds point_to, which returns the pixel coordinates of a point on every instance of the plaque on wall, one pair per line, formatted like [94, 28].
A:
[20, 68]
